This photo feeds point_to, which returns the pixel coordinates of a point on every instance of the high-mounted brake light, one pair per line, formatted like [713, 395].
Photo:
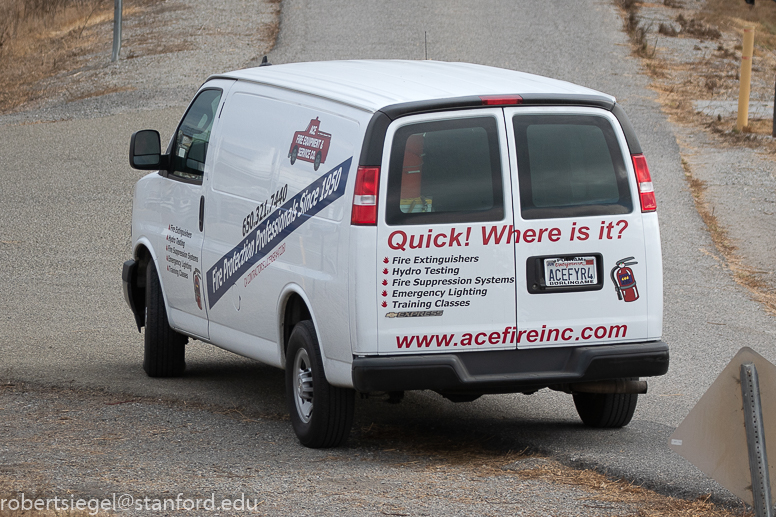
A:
[501, 100]
[365, 197]
[646, 190]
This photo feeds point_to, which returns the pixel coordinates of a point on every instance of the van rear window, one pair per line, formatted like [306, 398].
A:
[445, 172]
[569, 166]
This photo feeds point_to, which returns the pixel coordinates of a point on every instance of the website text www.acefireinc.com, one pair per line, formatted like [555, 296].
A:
[510, 335]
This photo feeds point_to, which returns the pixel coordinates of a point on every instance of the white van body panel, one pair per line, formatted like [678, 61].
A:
[654, 264]
[250, 188]
[362, 300]
[246, 345]
[145, 216]
[149, 233]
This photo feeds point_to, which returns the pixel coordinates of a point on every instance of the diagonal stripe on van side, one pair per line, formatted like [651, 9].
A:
[279, 224]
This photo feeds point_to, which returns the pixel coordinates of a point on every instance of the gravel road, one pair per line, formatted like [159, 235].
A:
[87, 444]
[69, 344]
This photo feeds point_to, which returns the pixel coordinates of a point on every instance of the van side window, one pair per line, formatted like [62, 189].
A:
[192, 137]
[445, 172]
[569, 166]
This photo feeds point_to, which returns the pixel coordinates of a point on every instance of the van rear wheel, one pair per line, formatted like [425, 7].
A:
[605, 410]
[317, 162]
[321, 414]
[294, 153]
[165, 349]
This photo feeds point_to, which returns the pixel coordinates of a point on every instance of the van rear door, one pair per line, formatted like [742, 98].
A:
[581, 262]
[446, 269]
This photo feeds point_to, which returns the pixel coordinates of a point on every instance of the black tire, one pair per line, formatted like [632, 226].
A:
[294, 153]
[605, 410]
[165, 349]
[321, 414]
[317, 162]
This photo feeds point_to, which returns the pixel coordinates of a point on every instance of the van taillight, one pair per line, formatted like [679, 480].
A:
[646, 190]
[365, 196]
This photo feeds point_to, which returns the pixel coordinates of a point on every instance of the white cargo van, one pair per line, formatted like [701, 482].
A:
[382, 226]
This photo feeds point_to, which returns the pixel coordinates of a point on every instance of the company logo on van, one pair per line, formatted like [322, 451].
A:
[414, 314]
[310, 145]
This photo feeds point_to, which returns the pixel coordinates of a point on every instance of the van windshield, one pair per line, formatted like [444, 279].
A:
[445, 171]
[569, 166]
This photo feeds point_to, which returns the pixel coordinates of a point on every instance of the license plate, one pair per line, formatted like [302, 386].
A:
[568, 272]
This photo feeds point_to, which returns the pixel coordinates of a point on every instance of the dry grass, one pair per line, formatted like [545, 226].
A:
[718, 233]
[696, 28]
[743, 274]
[40, 38]
[636, 29]
[271, 29]
[433, 453]
[733, 16]
[681, 81]
[715, 75]
[46, 44]
[627, 5]
[667, 30]
[649, 503]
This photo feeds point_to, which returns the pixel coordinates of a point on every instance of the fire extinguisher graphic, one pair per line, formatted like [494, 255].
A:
[197, 288]
[624, 281]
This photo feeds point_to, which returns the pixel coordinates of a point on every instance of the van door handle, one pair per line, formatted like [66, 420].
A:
[201, 212]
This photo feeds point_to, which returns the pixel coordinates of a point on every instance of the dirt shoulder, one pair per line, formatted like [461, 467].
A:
[140, 452]
[58, 65]
[692, 50]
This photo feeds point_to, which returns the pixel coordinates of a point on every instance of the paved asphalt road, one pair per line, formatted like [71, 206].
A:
[65, 230]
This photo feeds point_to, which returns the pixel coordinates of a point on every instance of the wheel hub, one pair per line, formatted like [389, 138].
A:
[303, 382]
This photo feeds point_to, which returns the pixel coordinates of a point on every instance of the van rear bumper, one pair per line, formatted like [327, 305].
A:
[509, 371]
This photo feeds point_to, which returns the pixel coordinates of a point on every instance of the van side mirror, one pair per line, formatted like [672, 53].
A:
[145, 151]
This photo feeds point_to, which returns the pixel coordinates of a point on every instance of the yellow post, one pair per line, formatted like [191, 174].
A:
[746, 79]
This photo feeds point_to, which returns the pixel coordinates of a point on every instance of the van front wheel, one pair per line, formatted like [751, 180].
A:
[605, 410]
[321, 414]
[165, 349]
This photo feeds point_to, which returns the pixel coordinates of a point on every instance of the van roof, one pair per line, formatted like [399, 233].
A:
[374, 84]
